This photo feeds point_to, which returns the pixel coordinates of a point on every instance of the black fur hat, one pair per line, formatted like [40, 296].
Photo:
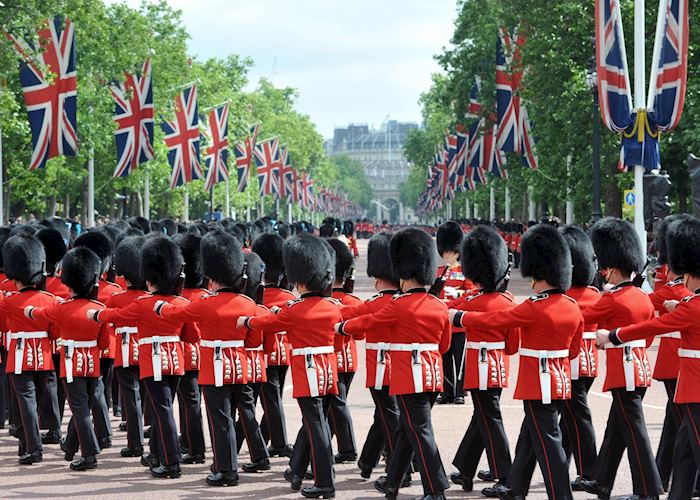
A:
[683, 240]
[162, 263]
[413, 255]
[484, 257]
[170, 226]
[343, 259]
[140, 223]
[98, 242]
[449, 237]
[583, 257]
[189, 244]
[269, 248]
[546, 256]
[127, 260]
[308, 261]
[4, 235]
[54, 247]
[660, 242]
[157, 227]
[326, 230]
[378, 261]
[80, 271]
[222, 258]
[617, 245]
[254, 270]
[25, 260]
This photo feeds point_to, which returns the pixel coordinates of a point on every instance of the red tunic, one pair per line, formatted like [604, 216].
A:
[126, 333]
[420, 333]
[8, 285]
[55, 287]
[276, 344]
[623, 305]
[309, 322]
[191, 349]
[457, 285]
[587, 361]
[345, 346]
[660, 276]
[549, 323]
[255, 352]
[105, 291]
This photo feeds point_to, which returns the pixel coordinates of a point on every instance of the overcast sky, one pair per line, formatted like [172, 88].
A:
[353, 61]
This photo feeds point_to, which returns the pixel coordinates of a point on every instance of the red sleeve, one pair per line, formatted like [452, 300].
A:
[658, 297]
[267, 321]
[3, 316]
[382, 318]
[521, 315]
[190, 332]
[49, 314]
[575, 347]
[193, 311]
[123, 315]
[353, 311]
[446, 337]
[104, 336]
[600, 311]
[512, 341]
[682, 318]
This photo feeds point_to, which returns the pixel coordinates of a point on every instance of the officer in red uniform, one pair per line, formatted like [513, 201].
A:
[484, 260]
[188, 396]
[449, 239]
[29, 363]
[578, 434]
[551, 327]
[420, 333]
[80, 342]
[684, 260]
[127, 264]
[309, 323]
[7, 407]
[628, 373]
[275, 345]
[161, 358]
[382, 432]
[346, 351]
[224, 367]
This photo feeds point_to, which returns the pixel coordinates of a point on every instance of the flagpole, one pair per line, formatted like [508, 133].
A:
[91, 190]
[147, 196]
[289, 210]
[531, 208]
[507, 215]
[467, 209]
[228, 200]
[639, 104]
[186, 205]
[492, 204]
[211, 203]
[277, 207]
[569, 193]
[262, 207]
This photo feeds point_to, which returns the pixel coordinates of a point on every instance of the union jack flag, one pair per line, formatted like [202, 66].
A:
[287, 176]
[474, 109]
[244, 157]
[182, 139]
[133, 115]
[307, 191]
[216, 158]
[475, 165]
[267, 162]
[506, 118]
[527, 142]
[49, 84]
[462, 144]
[492, 159]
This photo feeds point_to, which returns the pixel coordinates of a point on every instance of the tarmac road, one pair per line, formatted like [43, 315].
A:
[118, 477]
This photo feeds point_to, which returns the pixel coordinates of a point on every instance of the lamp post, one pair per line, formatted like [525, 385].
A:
[592, 82]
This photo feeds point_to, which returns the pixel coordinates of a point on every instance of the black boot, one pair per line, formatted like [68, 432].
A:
[188, 458]
[68, 455]
[434, 496]
[365, 470]
[294, 480]
[150, 460]
[51, 437]
[229, 478]
[105, 442]
[317, 492]
[30, 458]
[84, 463]
[171, 471]
[345, 456]
[591, 486]
[283, 451]
[485, 475]
[263, 464]
[493, 491]
[131, 452]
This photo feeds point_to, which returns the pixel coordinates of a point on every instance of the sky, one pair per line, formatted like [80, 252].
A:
[355, 61]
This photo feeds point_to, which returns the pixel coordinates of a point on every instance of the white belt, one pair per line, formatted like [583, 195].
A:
[545, 377]
[70, 346]
[483, 359]
[689, 353]
[628, 360]
[217, 345]
[589, 336]
[417, 360]
[381, 348]
[21, 337]
[156, 361]
[259, 348]
[126, 332]
[670, 335]
[311, 376]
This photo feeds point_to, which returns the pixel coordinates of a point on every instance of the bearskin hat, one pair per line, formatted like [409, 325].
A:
[308, 262]
[546, 256]
[170, 226]
[348, 228]
[583, 258]
[189, 244]
[413, 255]
[484, 257]
[343, 259]
[81, 270]
[157, 227]
[449, 237]
[255, 268]
[24, 258]
[54, 246]
[326, 230]
[127, 260]
[283, 230]
[140, 223]
[269, 248]
[378, 261]
[98, 242]
[162, 263]
[222, 258]
[4, 235]
[23, 229]
[617, 245]
[683, 240]
[660, 242]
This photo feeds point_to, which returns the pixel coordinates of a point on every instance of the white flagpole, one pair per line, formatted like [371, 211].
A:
[228, 200]
[507, 215]
[492, 204]
[91, 190]
[639, 104]
[186, 205]
[467, 209]
[531, 208]
[569, 193]
[147, 196]
[289, 210]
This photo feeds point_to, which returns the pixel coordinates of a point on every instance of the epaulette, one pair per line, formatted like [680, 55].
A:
[615, 290]
[46, 293]
[399, 295]
[145, 296]
[294, 302]
[333, 301]
[374, 297]
[676, 282]
[354, 296]
[570, 298]
[689, 297]
[249, 299]
[508, 295]
[538, 297]
[97, 302]
[474, 296]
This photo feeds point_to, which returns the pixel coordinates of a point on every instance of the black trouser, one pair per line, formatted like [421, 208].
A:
[130, 393]
[13, 417]
[485, 432]
[516, 260]
[100, 408]
[578, 435]
[415, 438]
[80, 394]
[52, 406]
[452, 365]
[686, 457]
[339, 414]
[163, 440]
[4, 395]
[190, 411]
[30, 389]
[221, 403]
[314, 443]
[273, 425]
[672, 422]
[626, 429]
[145, 405]
[540, 443]
[247, 427]
[382, 432]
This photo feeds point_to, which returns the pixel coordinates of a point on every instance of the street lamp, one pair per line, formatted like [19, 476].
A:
[592, 83]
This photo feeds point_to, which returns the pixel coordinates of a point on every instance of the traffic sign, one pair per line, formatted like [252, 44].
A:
[629, 197]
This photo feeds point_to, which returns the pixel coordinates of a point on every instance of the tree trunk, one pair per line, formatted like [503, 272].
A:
[51, 206]
[66, 207]
[613, 196]
[6, 208]
[84, 205]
